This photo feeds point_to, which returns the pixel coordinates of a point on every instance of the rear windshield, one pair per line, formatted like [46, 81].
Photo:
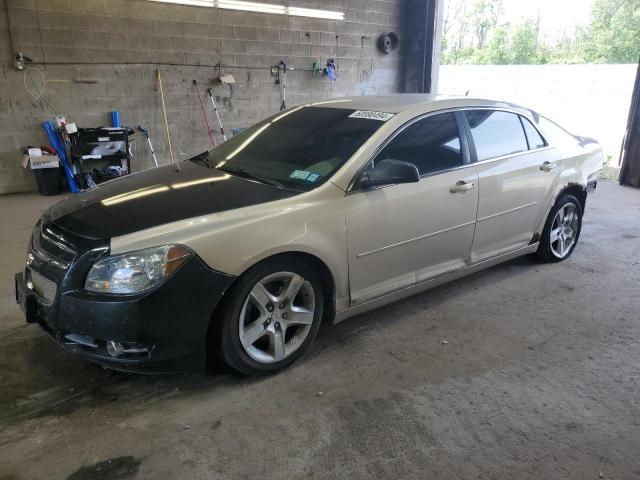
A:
[300, 148]
[557, 136]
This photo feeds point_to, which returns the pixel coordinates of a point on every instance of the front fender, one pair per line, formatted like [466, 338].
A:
[234, 240]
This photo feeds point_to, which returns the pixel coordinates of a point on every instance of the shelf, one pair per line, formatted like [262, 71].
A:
[118, 156]
[88, 138]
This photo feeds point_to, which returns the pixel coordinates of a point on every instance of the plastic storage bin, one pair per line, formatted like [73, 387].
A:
[48, 180]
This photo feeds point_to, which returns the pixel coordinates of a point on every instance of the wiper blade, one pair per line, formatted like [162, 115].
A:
[202, 158]
[240, 172]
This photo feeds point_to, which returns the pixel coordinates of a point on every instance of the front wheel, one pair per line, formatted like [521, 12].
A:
[271, 316]
[561, 231]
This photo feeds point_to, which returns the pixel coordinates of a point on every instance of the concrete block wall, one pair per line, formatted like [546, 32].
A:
[128, 40]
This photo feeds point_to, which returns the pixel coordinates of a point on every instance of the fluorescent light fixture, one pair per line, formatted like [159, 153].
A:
[250, 6]
[247, 141]
[125, 197]
[314, 13]
[196, 3]
[272, 8]
[201, 181]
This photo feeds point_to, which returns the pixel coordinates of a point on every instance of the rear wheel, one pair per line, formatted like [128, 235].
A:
[561, 231]
[271, 316]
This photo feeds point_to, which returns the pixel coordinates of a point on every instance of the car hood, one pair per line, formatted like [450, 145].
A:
[158, 196]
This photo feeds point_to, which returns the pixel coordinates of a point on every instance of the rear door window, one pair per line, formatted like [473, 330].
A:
[432, 144]
[496, 133]
[533, 136]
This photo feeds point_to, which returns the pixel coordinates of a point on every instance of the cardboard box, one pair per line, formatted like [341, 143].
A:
[42, 161]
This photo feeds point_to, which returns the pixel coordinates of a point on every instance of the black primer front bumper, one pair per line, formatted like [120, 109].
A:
[164, 330]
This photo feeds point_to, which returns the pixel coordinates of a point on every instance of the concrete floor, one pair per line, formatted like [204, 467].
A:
[539, 379]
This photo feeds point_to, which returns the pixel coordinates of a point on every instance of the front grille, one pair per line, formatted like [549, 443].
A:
[44, 287]
[56, 250]
[47, 243]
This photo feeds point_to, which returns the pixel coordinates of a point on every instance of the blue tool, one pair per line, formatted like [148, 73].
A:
[58, 144]
[331, 69]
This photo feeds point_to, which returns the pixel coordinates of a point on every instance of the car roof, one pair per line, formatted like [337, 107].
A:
[402, 101]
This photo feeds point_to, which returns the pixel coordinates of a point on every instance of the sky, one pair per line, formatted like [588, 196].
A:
[556, 16]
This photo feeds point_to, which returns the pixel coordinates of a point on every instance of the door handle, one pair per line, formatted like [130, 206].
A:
[548, 166]
[462, 186]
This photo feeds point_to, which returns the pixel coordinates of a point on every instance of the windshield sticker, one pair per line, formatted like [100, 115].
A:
[300, 174]
[382, 116]
[313, 177]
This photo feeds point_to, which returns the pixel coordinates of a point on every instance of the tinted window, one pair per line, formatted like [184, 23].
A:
[533, 137]
[496, 133]
[431, 144]
[299, 148]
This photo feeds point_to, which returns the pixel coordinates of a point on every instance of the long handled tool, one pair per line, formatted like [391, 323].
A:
[282, 80]
[56, 142]
[204, 114]
[215, 110]
[145, 132]
[164, 113]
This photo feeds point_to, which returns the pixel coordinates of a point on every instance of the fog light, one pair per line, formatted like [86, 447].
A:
[115, 349]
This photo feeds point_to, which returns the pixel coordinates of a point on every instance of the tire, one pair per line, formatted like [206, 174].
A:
[553, 242]
[245, 314]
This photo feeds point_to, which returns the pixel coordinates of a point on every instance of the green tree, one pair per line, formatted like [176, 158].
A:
[613, 36]
[567, 50]
[543, 53]
[473, 34]
[484, 17]
[454, 30]
[497, 51]
[524, 43]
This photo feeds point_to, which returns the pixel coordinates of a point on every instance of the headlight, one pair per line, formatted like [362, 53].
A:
[137, 271]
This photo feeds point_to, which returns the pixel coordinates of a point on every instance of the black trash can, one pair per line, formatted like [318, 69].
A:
[48, 180]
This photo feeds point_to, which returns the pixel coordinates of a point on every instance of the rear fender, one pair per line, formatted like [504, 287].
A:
[569, 179]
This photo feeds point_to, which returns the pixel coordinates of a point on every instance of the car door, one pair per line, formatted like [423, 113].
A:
[516, 173]
[399, 235]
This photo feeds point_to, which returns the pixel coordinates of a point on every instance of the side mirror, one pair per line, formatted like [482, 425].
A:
[389, 172]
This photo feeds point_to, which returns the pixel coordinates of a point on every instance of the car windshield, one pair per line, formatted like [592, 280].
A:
[298, 149]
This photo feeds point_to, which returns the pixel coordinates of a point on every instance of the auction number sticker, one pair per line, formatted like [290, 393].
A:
[382, 116]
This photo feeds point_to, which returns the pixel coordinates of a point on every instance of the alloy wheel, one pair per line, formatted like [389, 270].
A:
[276, 317]
[564, 230]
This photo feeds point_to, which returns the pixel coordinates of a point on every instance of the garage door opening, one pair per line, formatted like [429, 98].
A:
[574, 61]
